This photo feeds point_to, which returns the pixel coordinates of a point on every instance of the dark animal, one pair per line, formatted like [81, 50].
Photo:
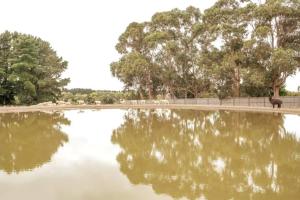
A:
[274, 102]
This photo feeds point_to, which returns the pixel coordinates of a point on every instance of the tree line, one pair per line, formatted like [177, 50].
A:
[30, 70]
[235, 48]
[89, 96]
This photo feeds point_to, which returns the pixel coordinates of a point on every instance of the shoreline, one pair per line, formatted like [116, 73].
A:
[36, 108]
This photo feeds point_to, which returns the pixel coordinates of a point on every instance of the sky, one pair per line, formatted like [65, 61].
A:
[85, 32]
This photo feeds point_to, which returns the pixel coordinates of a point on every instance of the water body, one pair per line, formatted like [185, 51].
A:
[149, 154]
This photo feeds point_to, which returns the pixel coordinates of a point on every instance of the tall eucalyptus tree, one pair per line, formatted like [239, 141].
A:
[277, 33]
[135, 68]
[228, 20]
[180, 49]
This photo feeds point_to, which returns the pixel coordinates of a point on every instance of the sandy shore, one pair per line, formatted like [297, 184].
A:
[11, 109]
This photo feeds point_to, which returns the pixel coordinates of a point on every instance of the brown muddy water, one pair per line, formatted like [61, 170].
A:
[149, 155]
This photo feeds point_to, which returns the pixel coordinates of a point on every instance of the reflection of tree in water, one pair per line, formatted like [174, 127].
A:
[28, 140]
[216, 155]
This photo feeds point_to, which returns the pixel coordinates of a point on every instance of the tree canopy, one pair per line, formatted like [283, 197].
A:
[235, 48]
[30, 70]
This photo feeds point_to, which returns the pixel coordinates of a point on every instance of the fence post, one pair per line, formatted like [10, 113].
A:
[233, 102]
[207, 101]
[249, 101]
[264, 101]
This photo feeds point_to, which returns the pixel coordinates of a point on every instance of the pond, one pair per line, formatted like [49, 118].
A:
[149, 154]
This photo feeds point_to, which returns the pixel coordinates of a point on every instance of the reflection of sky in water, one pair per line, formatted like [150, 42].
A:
[292, 124]
[89, 136]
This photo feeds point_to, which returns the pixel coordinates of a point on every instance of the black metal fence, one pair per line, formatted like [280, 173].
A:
[288, 101]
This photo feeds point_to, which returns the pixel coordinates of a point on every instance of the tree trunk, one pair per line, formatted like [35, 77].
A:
[171, 91]
[276, 90]
[141, 94]
[149, 87]
[236, 91]
[196, 94]
[237, 85]
[150, 93]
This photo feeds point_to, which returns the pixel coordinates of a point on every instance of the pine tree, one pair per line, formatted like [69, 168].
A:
[30, 70]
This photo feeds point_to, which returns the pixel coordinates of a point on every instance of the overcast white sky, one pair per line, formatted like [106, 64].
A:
[84, 32]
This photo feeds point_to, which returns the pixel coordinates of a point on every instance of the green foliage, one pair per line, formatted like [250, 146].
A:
[108, 99]
[90, 99]
[292, 93]
[30, 70]
[283, 91]
[80, 91]
[90, 96]
[282, 65]
[235, 48]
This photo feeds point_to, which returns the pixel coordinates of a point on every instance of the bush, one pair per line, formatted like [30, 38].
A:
[89, 99]
[107, 99]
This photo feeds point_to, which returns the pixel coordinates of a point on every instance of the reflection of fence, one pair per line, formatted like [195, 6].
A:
[288, 102]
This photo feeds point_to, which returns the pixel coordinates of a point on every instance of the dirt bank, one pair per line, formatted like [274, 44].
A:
[11, 109]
